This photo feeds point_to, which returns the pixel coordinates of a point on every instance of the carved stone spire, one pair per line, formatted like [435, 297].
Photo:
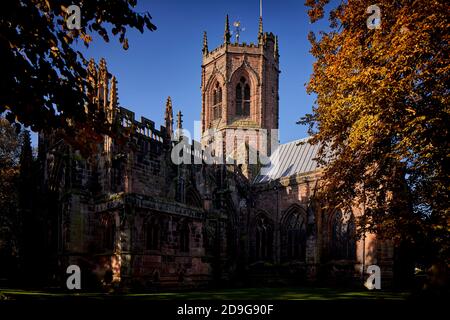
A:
[112, 99]
[92, 69]
[168, 117]
[113, 92]
[102, 68]
[227, 35]
[92, 81]
[205, 44]
[102, 81]
[102, 73]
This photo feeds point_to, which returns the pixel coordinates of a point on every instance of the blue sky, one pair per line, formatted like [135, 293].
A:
[167, 62]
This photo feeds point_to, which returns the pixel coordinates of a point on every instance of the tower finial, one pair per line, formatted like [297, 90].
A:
[205, 44]
[260, 29]
[168, 117]
[227, 35]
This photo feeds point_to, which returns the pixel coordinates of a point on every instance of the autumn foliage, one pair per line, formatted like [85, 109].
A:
[382, 115]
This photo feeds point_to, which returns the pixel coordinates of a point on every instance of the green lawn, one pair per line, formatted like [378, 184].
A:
[305, 293]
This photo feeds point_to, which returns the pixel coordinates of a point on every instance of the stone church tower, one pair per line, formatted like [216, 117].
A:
[240, 95]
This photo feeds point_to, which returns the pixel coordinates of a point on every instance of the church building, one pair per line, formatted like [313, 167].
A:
[130, 217]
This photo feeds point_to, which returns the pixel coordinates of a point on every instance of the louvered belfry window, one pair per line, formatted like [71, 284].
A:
[217, 102]
[243, 98]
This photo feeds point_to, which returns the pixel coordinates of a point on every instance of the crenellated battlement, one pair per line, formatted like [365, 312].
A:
[145, 127]
[233, 45]
[267, 44]
[244, 44]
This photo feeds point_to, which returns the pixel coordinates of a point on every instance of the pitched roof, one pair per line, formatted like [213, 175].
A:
[288, 159]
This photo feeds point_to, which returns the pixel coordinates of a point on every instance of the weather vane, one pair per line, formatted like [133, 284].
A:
[237, 30]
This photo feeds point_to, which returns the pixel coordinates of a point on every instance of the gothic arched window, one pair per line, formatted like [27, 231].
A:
[343, 242]
[184, 237]
[193, 198]
[243, 98]
[153, 235]
[263, 239]
[180, 190]
[293, 234]
[217, 102]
